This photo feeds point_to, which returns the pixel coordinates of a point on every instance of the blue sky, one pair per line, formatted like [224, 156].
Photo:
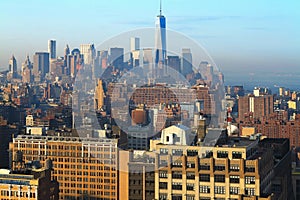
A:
[247, 35]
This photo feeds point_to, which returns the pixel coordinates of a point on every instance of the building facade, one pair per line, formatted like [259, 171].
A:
[84, 167]
[238, 169]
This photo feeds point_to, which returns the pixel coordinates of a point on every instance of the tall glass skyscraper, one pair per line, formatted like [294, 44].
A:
[52, 48]
[160, 39]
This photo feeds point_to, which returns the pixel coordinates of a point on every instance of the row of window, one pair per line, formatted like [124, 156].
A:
[65, 147]
[164, 196]
[5, 193]
[206, 177]
[221, 190]
[191, 164]
[220, 154]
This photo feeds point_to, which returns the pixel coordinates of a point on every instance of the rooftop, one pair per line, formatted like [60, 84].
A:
[63, 139]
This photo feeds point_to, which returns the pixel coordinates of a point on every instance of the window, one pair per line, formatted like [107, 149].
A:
[167, 139]
[177, 174]
[190, 197]
[250, 169]
[236, 155]
[220, 178]
[234, 168]
[250, 180]
[222, 154]
[190, 186]
[192, 153]
[204, 177]
[234, 179]
[163, 196]
[219, 189]
[204, 166]
[176, 186]
[163, 151]
[219, 167]
[234, 190]
[190, 164]
[250, 191]
[177, 152]
[163, 163]
[209, 154]
[190, 175]
[163, 174]
[204, 189]
[163, 185]
[176, 197]
[177, 163]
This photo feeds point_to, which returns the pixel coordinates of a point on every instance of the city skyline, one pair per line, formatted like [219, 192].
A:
[250, 35]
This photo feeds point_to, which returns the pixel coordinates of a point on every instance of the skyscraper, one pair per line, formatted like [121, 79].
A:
[116, 57]
[52, 49]
[88, 51]
[134, 43]
[187, 66]
[12, 65]
[160, 39]
[174, 62]
[26, 70]
[41, 64]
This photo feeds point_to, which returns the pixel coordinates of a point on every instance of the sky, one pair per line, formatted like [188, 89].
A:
[241, 36]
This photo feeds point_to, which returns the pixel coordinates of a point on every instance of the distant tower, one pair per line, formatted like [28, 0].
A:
[88, 51]
[174, 62]
[99, 95]
[116, 57]
[26, 71]
[134, 43]
[12, 65]
[41, 64]
[160, 40]
[52, 49]
[187, 66]
[67, 50]
[27, 63]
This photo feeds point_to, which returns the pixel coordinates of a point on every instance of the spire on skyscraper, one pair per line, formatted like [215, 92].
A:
[160, 9]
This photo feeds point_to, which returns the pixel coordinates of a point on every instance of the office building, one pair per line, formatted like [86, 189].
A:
[134, 44]
[12, 66]
[174, 62]
[223, 168]
[187, 61]
[116, 57]
[84, 167]
[89, 52]
[41, 64]
[52, 49]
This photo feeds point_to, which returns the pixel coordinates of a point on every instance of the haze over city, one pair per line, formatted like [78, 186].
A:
[144, 100]
[241, 36]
